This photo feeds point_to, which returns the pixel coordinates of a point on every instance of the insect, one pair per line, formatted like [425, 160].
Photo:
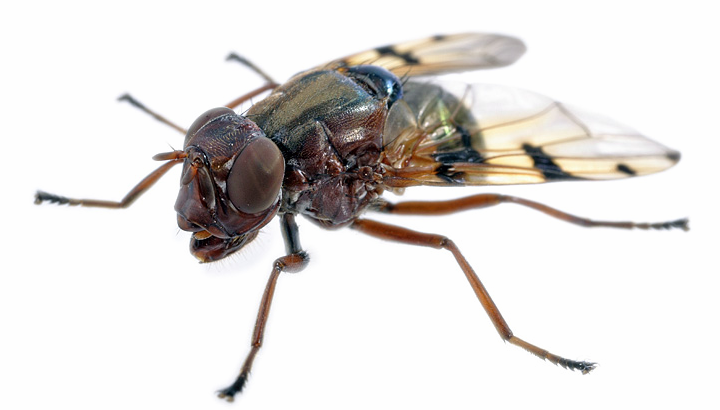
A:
[330, 141]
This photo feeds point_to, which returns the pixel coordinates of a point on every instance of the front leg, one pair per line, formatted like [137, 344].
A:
[295, 261]
[173, 158]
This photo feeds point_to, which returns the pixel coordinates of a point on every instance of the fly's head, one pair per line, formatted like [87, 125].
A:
[231, 183]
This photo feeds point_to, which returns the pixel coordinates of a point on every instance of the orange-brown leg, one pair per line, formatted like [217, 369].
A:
[137, 104]
[173, 158]
[249, 64]
[487, 200]
[232, 104]
[269, 82]
[403, 235]
[295, 261]
[236, 102]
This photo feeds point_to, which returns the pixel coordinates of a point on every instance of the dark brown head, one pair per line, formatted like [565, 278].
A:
[231, 183]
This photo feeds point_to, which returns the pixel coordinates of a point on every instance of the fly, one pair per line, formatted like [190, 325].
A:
[331, 140]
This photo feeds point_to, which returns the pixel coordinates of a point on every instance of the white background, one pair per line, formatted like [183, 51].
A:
[107, 309]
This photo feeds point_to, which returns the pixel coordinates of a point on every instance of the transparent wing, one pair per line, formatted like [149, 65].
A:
[440, 134]
[439, 54]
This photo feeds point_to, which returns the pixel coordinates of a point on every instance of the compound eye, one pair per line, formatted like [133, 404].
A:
[256, 176]
[206, 117]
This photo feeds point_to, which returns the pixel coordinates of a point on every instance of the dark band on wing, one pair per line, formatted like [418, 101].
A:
[465, 136]
[673, 156]
[444, 172]
[466, 154]
[626, 169]
[544, 163]
[390, 51]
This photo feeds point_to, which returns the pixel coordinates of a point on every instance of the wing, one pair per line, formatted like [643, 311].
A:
[493, 135]
[439, 54]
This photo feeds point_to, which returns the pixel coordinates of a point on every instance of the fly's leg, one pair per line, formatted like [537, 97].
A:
[269, 82]
[232, 104]
[295, 261]
[236, 102]
[487, 200]
[249, 64]
[173, 159]
[403, 235]
[137, 104]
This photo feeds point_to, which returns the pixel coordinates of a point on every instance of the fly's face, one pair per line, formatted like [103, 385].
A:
[231, 182]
